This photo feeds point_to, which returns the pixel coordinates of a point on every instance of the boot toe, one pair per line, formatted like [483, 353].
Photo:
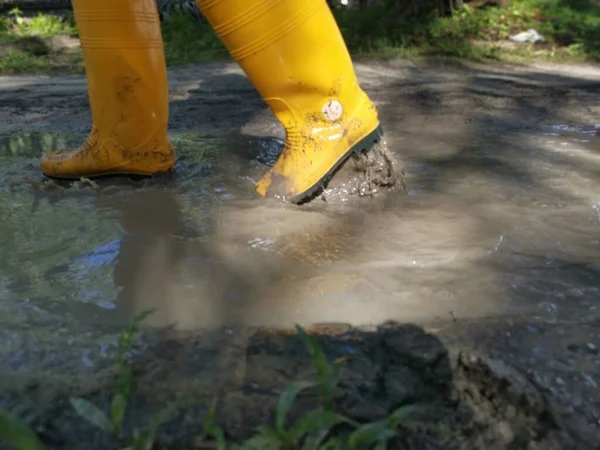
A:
[52, 164]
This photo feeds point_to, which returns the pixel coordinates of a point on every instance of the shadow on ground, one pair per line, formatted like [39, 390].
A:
[458, 400]
[455, 129]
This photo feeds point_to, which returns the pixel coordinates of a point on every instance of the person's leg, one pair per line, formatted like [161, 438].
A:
[294, 54]
[127, 86]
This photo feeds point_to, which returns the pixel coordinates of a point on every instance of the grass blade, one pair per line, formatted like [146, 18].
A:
[17, 434]
[398, 416]
[117, 414]
[370, 434]
[92, 413]
[313, 422]
[328, 374]
[286, 400]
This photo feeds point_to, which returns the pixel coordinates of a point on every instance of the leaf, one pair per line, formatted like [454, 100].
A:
[313, 441]
[315, 352]
[124, 381]
[146, 439]
[17, 434]
[218, 435]
[314, 421]
[212, 411]
[334, 443]
[381, 445]
[266, 439]
[117, 413]
[126, 338]
[91, 413]
[212, 429]
[399, 415]
[265, 430]
[341, 360]
[134, 324]
[285, 402]
[328, 374]
[370, 434]
[261, 442]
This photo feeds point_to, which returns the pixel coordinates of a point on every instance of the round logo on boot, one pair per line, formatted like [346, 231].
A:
[332, 110]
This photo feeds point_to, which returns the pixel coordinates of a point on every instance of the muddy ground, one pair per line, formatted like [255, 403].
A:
[503, 176]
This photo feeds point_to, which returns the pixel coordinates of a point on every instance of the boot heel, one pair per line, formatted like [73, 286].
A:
[367, 143]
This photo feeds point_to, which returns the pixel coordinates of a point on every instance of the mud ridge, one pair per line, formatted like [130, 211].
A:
[371, 175]
[458, 401]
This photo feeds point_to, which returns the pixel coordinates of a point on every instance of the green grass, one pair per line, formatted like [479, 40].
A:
[319, 429]
[32, 58]
[44, 25]
[188, 41]
[571, 29]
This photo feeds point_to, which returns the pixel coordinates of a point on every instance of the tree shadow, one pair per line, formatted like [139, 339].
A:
[158, 237]
[450, 399]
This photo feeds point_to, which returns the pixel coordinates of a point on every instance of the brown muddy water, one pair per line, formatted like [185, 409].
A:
[494, 246]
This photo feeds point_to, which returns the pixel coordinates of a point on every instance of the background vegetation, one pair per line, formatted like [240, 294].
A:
[478, 30]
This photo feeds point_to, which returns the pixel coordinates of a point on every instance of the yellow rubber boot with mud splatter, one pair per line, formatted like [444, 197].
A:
[127, 85]
[294, 54]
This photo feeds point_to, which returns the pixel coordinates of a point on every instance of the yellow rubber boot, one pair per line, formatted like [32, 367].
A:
[294, 54]
[127, 85]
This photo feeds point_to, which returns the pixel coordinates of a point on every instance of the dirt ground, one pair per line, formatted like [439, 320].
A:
[523, 375]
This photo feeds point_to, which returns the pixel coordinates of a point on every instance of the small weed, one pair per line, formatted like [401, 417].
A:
[212, 430]
[319, 429]
[571, 29]
[145, 440]
[23, 63]
[17, 434]
[329, 374]
[45, 25]
[24, 49]
[310, 430]
[474, 33]
[113, 423]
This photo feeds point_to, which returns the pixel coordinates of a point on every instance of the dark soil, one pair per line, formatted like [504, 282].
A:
[502, 382]
[459, 400]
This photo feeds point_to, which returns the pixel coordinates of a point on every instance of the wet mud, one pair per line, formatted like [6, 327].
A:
[475, 226]
[457, 399]
[372, 175]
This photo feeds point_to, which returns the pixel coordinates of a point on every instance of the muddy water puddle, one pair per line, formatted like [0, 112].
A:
[485, 228]
[494, 244]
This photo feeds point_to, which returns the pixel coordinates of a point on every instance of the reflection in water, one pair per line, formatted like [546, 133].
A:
[481, 232]
[150, 271]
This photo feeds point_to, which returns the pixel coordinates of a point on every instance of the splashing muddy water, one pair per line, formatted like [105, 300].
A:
[500, 216]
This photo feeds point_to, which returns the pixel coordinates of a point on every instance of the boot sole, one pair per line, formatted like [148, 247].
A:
[131, 175]
[364, 145]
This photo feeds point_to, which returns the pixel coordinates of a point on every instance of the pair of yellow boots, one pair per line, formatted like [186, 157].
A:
[291, 50]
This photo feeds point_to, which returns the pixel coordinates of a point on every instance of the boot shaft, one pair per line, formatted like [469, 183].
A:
[124, 61]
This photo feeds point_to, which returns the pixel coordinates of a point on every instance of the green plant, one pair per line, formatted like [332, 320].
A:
[17, 434]
[212, 430]
[307, 432]
[329, 374]
[189, 41]
[113, 422]
[145, 440]
[40, 25]
[316, 429]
